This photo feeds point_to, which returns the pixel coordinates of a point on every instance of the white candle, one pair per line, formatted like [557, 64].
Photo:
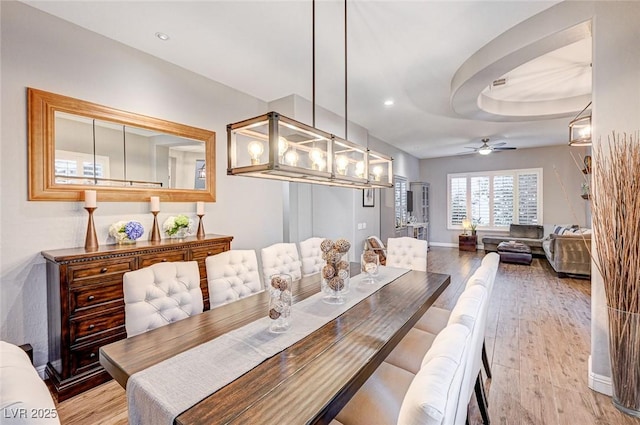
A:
[155, 203]
[90, 199]
[200, 208]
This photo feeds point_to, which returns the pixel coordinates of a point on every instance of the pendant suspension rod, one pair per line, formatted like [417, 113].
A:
[345, 72]
[313, 62]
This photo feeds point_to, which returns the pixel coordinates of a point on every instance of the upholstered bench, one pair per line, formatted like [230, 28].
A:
[514, 252]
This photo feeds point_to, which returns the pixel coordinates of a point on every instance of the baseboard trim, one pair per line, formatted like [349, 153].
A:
[451, 245]
[443, 244]
[599, 383]
[40, 370]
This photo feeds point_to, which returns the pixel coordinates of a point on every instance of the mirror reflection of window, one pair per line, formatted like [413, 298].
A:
[125, 155]
[79, 168]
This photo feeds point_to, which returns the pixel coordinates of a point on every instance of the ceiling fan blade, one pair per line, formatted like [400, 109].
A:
[493, 145]
[469, 147]
[508, 148]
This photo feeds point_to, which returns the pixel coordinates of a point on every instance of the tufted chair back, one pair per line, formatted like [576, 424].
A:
[311, 256]
[160, 294]
[434, 394]
[408, 253]
[470, 310]
[232, 275]
[281, 258]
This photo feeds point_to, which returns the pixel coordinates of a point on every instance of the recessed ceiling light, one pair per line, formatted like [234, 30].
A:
[388, 102]
[162, 36]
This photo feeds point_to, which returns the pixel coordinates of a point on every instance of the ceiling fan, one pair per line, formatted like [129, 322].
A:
[486, 148]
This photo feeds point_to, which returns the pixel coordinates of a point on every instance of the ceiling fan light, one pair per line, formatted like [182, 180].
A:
[485, 150]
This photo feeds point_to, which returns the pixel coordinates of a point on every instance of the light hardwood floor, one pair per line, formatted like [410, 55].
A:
[538, 338]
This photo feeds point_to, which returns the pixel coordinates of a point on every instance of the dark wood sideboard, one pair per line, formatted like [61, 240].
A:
[86, 305]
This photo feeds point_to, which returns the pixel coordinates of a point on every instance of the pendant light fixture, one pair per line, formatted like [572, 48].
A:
[580, 129]
[273, 146]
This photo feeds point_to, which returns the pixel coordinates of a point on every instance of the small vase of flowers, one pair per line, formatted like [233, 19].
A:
[126, 231]
[177, 227]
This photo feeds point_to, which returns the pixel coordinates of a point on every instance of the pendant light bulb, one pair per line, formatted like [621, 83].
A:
[256, 149]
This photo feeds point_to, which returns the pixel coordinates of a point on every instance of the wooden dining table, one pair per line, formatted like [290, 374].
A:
[308, 382]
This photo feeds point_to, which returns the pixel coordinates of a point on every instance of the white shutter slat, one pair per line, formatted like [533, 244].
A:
[503, 200]
[480, 198]
[528, 198]
[458, 198]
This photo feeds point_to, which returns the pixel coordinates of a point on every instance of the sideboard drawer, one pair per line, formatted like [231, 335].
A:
[163, 257]
[203, 253]
[106, 295]
[94, 326]
[87, 356]
[106, 269]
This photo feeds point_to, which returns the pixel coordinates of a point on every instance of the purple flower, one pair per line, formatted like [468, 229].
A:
[133, 230]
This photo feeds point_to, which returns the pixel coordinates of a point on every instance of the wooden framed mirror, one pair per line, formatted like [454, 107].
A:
[76, 145]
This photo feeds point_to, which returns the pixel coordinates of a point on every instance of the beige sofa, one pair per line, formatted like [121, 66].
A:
[569, 254]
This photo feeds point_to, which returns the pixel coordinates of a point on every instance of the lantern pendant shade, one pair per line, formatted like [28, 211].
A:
[273, 146]
[580, 131]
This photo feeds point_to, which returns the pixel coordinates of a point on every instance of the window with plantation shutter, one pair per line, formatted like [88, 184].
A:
[495, 199]
[78, 164]
[502, 201]
[528, 198]
[457, 200]
[480, 197]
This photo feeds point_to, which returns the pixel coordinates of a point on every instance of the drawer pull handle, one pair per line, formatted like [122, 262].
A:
[103, 270]
[92, 355]
[91, 326]
[164, 260]
[91, 298]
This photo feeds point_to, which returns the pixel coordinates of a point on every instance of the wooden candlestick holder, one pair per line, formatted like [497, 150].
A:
[200, 233]
[154, 236]
[91, 240]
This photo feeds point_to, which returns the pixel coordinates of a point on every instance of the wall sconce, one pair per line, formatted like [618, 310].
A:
[202, 172]
[580, 129]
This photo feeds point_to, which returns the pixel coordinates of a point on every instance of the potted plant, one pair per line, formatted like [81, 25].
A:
[616, 228]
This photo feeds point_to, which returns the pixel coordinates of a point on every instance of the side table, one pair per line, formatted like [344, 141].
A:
[467, 242]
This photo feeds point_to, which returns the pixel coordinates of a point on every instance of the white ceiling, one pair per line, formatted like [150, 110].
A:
[407, 51]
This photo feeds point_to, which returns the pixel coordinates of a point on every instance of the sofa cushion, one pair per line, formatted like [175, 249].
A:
[494, 239]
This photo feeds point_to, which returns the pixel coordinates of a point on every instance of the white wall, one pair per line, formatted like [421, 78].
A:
[44, 52]
[616, 107]
[557, 208]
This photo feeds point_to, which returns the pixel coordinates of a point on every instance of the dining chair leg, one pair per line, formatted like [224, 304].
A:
[482, 400]
[485, 361]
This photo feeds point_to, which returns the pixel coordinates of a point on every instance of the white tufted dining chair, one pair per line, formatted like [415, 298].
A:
[393, 395]
[161, 294]
[232, 275]
[311, 256]
[436, 318]
[407, 253]
[281, 258]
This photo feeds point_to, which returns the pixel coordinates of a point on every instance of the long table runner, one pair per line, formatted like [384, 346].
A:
[158, 394]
